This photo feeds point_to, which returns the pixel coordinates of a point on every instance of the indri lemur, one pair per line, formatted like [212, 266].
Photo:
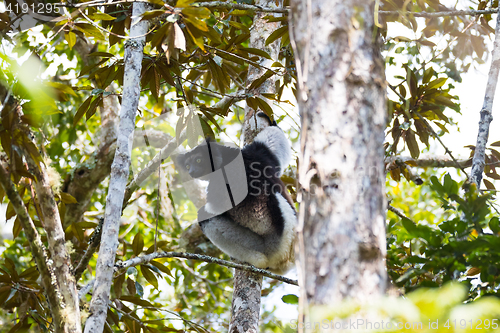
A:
[256, 226]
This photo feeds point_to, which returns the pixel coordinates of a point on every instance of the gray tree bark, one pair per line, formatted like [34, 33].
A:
[341, 81]
[119, 171]
[486, 115]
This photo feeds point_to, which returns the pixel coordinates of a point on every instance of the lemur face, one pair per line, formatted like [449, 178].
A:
[196, 162]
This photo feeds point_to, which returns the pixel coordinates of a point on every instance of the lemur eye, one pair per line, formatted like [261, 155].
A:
[187, 166]
[198, 160]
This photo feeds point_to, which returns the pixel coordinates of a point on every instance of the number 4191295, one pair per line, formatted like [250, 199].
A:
[477, 324]
[39, 8]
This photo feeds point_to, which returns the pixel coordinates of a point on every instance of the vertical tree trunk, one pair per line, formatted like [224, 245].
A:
[342, 104]
[245, 306]
[486, 111]
[119, 171]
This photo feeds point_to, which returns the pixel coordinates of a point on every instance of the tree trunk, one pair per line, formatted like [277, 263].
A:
[119, 171]
[343, 108]
[486, 111]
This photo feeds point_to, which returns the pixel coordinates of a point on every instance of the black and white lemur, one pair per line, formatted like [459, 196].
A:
[255, 225]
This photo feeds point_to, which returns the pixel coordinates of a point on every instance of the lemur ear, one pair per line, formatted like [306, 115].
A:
[261, 114]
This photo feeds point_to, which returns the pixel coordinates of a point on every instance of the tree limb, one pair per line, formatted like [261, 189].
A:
[37, 248]
[119, 170]
[94, 244]
[486, 115]
[152, 166]
[148, 257]
[57, 245]
[241, 6]
[429, 162]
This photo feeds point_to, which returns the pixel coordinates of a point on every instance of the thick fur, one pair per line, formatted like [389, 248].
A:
[260, 229]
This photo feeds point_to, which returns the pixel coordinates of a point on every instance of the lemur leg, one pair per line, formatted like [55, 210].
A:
[285, 220]
[237, 241]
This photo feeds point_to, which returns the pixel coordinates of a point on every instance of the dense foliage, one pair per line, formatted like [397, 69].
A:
[66, 77]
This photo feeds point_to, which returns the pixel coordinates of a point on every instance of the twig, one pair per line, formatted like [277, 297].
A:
[429, 161]
[440, 141]
[151, 166]
[398, 212]
[253, 63]
[94, 244]
[434, 134]
[242, 6]
[220, 95]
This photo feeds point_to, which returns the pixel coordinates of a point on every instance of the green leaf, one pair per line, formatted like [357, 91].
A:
[161, 267]
[258, 82]
[429, 72]
[184, 3]
[149, 276]
[67, 198]
[152, 14]
[136, 300]
[93, 107]
[81, 110]
[489, 185]
[138, 244]
[101, 16]
[239, 26]
[258, 52]
[63, 88]
[198, 12]
[412, 144]
[264, 107]
[276, 34]
[290, 299]
[437, 83]
[90, 30]
[495, 224]
[496, 144]
[101, 54]
[412, 82]
[70, 38]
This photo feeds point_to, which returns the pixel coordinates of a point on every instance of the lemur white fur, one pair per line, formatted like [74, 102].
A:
[274, 138]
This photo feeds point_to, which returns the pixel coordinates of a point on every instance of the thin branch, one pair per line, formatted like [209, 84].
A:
[398, 212]
[486, 116]
[447, 13]
[241, 6]
[148, 257]
[434, 134]
[253, 63]
[94, 244]
[152, 166]
[441, 142]
[111, 32]
[85, 289]
[429, 162]
[216, 93]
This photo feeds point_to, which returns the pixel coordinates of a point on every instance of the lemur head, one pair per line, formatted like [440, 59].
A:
[206, 158]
